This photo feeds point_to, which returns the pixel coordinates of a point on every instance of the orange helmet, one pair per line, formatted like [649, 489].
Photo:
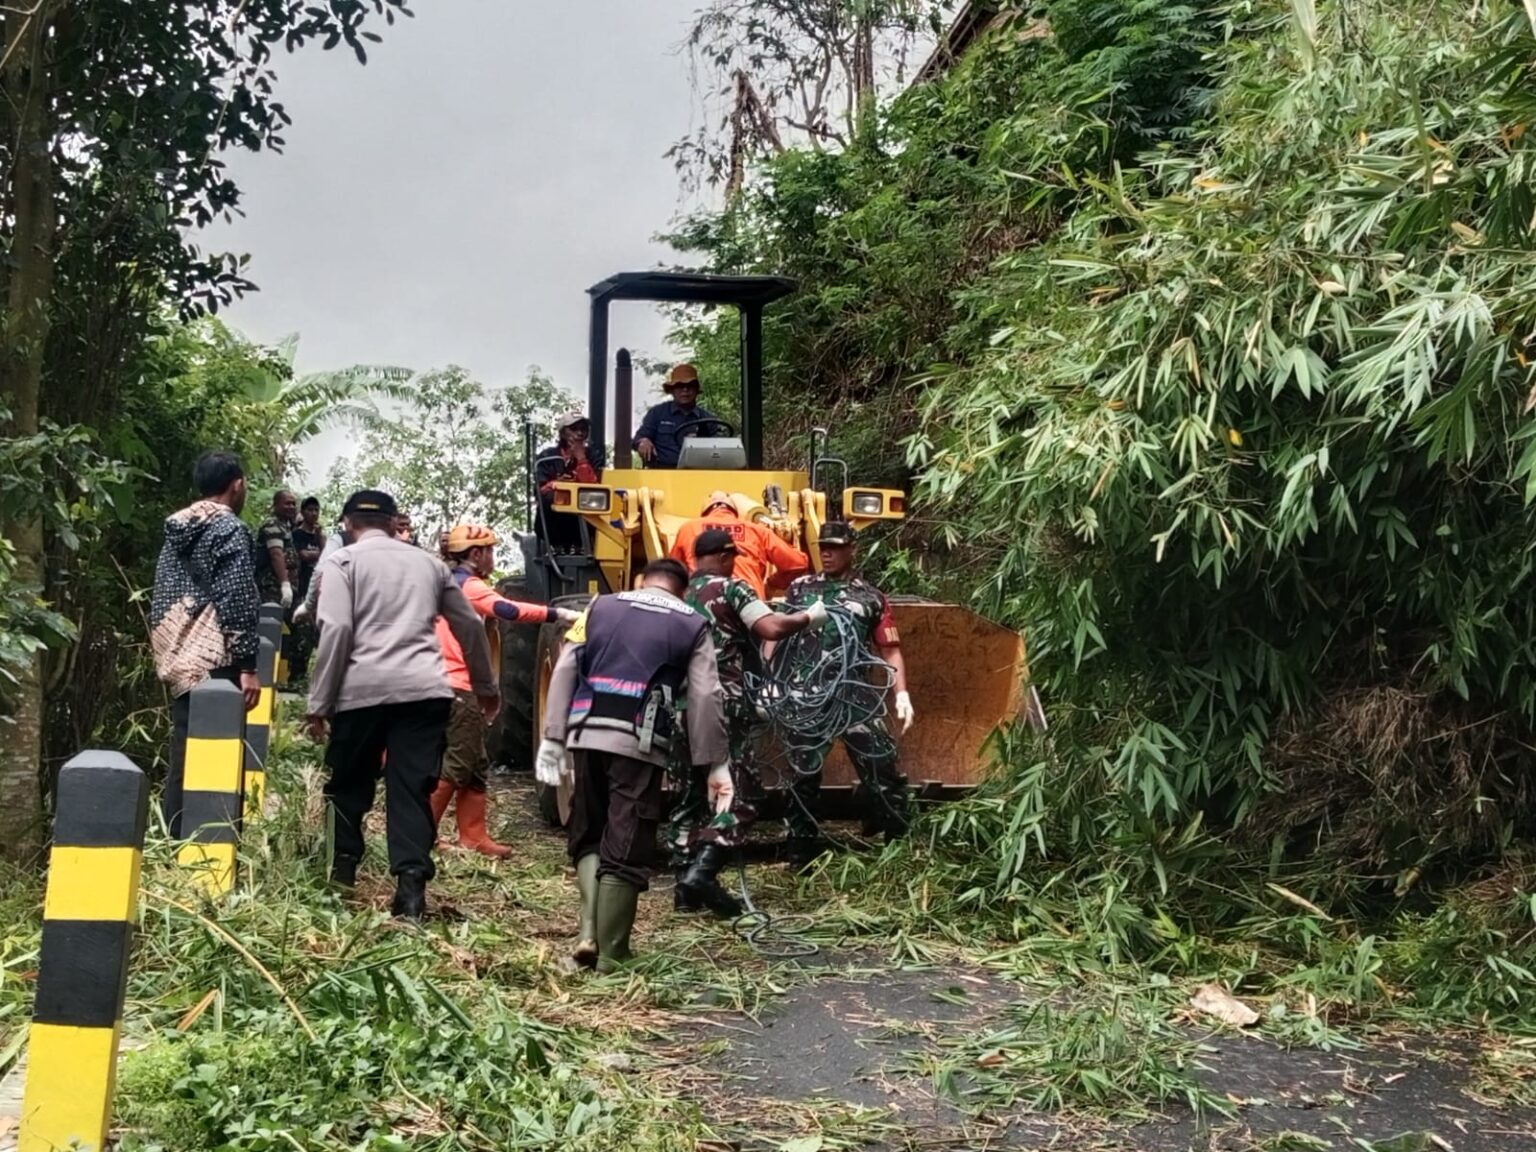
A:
[463, 537]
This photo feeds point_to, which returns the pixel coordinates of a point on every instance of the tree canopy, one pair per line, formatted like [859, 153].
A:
[1202, 333]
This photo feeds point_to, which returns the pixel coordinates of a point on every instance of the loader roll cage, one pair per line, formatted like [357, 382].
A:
[749, 295]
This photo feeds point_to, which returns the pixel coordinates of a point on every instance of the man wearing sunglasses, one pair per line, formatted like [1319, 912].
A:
[660, 437]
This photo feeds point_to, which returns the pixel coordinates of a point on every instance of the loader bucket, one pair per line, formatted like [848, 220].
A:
[968, 677]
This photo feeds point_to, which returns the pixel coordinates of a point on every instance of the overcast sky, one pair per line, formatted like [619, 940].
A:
[451, 201]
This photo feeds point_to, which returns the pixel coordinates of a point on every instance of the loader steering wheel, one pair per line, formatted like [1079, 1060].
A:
[698, 421]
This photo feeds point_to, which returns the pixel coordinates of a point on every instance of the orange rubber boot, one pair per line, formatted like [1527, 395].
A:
[439, 801]
[472, 833]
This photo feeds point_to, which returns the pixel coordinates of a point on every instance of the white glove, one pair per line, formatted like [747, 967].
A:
[301, 613]
[287, 596]
[566, 616]
[549, 764]
[722, 789]
[904, 711]
[817, 612]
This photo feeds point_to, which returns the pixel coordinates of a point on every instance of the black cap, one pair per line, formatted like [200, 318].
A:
[370, 500]
[712, 542]
[836, 532]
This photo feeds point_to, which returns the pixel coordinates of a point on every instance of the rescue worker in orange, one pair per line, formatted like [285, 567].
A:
[757, 545]
[470, 550]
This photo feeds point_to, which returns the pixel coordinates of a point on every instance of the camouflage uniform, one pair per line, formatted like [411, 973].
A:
[731, 607]
[870, 746]
[274, 529]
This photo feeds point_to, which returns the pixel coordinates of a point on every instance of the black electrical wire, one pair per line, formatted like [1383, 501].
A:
[775, 937]
[812, 691]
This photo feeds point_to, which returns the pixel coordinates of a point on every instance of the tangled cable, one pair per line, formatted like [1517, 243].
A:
[812, 691]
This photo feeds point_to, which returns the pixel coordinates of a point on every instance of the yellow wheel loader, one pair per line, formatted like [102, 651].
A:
[966, 674]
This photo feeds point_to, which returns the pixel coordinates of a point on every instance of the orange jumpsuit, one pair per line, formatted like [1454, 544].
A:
[756, 548]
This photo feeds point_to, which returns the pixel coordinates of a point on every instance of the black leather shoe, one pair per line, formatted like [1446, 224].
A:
[702, 883]
[410, 901]
[344, 871]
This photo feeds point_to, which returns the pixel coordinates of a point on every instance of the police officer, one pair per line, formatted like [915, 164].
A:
[380, 694]
[870, 746]
[611, 701]
[701, 840]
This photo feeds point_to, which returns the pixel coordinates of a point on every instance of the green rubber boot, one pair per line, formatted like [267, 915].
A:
[616, 904]
[585, 954]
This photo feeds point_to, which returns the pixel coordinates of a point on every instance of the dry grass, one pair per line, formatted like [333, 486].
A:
[1387, 776]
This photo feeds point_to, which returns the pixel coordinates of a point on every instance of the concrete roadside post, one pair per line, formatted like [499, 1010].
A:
[271, 627]
[258, 732]
[211, 802]
[89, 911]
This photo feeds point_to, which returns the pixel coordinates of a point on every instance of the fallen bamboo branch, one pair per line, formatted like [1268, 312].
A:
[229, 939]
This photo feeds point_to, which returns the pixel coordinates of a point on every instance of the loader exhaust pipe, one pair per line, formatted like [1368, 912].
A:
[623, 406]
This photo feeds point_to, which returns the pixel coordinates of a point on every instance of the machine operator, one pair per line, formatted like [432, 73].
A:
[659, 439]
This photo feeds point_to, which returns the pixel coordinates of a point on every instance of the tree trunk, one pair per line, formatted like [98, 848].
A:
[866, 102]
[29, 202]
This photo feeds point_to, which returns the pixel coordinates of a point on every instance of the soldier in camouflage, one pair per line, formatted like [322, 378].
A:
[277, 560]
[702, 839]
[870, 746]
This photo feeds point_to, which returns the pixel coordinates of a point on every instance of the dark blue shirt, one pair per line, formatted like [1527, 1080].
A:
[660, 428]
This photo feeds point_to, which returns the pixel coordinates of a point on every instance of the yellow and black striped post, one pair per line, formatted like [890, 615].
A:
[82, 973]
[210, 805]
[258, 733]
[273, 628]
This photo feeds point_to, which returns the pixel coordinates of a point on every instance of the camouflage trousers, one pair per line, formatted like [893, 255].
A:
[873, 754]
[693, 822]
[298, 647]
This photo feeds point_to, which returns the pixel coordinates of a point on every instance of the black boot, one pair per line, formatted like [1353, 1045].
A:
[895, 814]
[410, 896]
[682, 899]
[344, 871]
[702, 883]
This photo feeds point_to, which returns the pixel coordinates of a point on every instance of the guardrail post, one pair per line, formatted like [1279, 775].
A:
[210, 806]
[258, 732]
[82, 974]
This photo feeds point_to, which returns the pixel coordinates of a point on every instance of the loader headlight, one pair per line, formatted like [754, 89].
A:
[861, 505]
[592, 500]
